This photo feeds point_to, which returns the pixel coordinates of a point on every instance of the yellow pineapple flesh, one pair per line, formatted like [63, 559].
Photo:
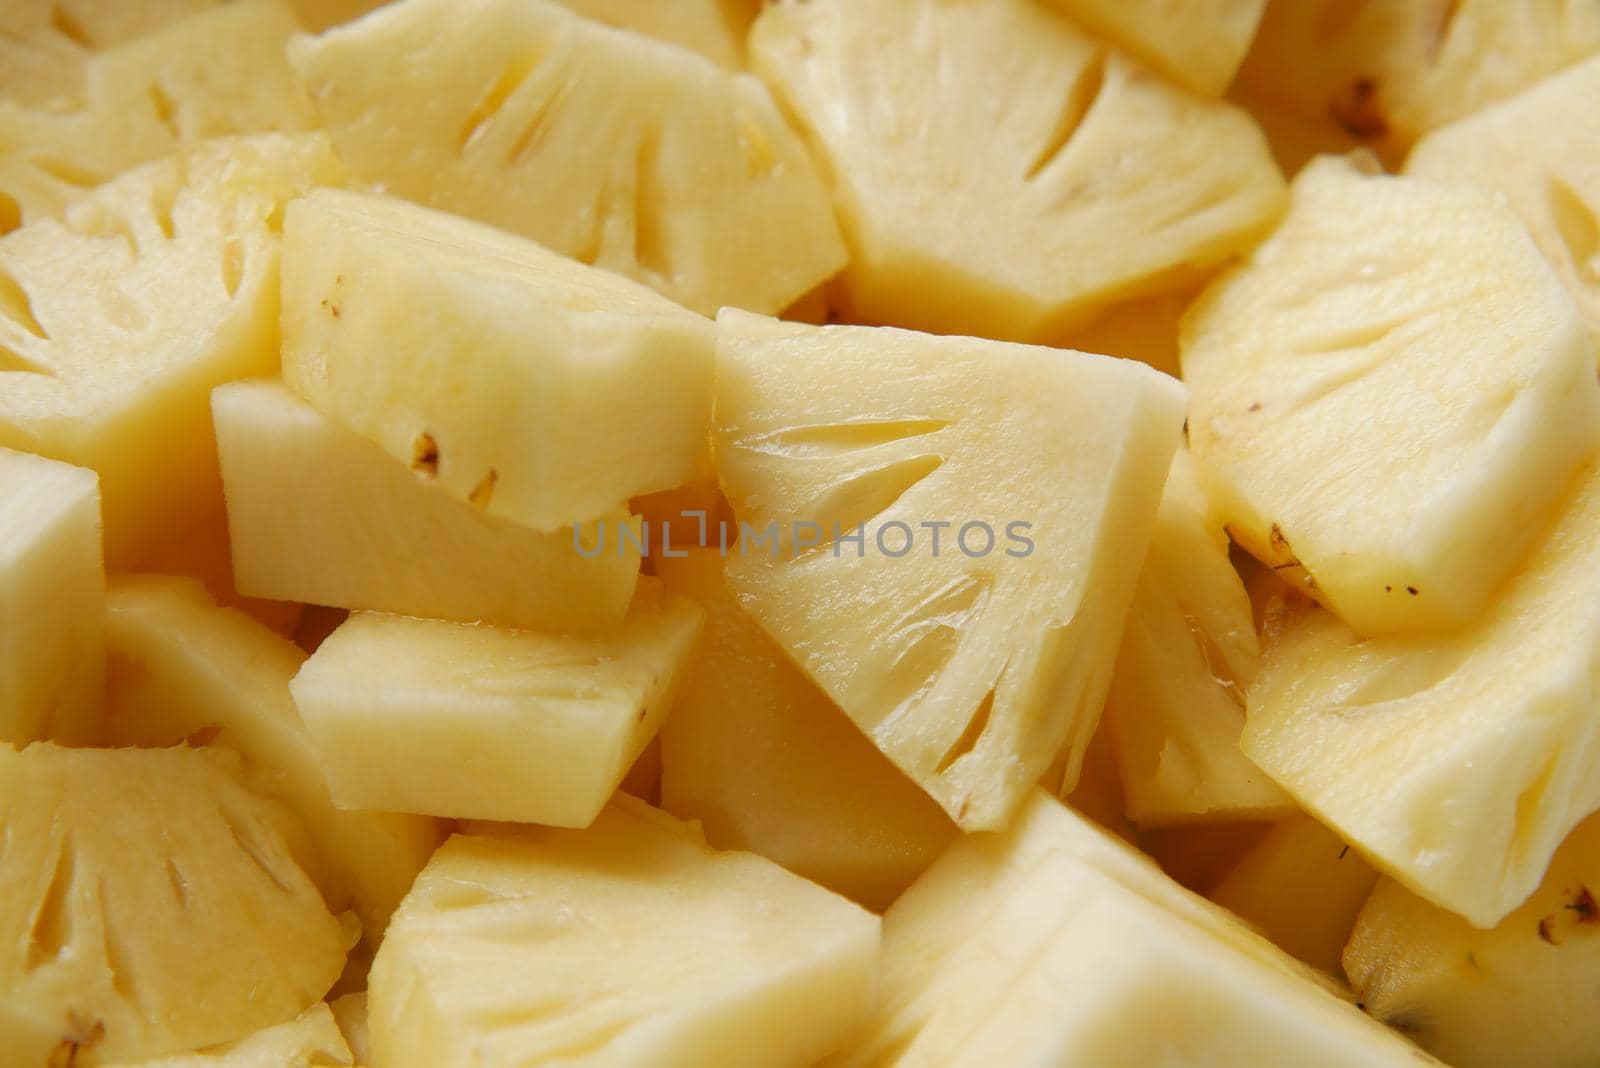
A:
[310, 1040]
[1199, 43]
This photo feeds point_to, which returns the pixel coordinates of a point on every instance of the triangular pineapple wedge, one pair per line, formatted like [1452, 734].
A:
[616, 149]
[310, 1040]
[1198, 43]
[631, 943]
[117, 321]
[714, 28]
[1011, 214]
[1521, 995]
[1534, 149]
[1176, 705]
[148, 905]
[52, 600]
[1456, 762]
[1390, 396]
[974, 659]
[522, 382]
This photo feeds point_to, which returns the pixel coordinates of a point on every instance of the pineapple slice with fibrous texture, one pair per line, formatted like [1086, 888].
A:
[762, 758]
[1536, 149]
[1176, 704]
[52, 600]
[1457, 761]
[525, 383]
[622, 151]
[311, 1040]
[1199, 44]
[116, 322]
[1007, 215]
[1521, 995]
[974, 652]
[182, 667]
[477, 722]
[1390, 397]
[714, 28]
[149, 904]
[321, 515]
[632, 943]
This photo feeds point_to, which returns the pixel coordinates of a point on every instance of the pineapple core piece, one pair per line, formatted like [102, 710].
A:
[1014, 214]
[519, 381]
[898, 542]
[1390, 397]
[1521, 995]
[480, 722]
[117, 321]
[318, 514]
[622, 151]
[148, 905]
[52, 600]
[1457, 761]
[311, 1040]
[1199, 43]
[631, 943]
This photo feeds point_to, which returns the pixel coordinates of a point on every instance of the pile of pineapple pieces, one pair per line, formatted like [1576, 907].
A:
[601, 532]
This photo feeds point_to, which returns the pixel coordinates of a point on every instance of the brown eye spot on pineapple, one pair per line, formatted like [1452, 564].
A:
[484, 490]
[1358, 112]
[425, 455]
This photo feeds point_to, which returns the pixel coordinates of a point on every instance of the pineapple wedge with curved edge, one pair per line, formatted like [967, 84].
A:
[52, 600]
[631, 943]
[607, 146]
[1533, 149]
[1198, 44]
[714, 28]
[525, 383]
[1390, 397]
[1521, 995]
[1176, 705]
[974, 659]
[1005, 215]
[117, 321]
[1458, 761]
[180, 667]
[311, 1040]
[148, 905]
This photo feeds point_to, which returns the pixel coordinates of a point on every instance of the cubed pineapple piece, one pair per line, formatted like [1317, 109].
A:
[149, 904]
[1389, 72]
[622, 151]
[321, 515]
[1029, 948]
[766, 762]
[183, 668]
[1199, 44]
[1176, 706]
[52, 600]
[202, 552]
[631, 943]
[1013, 215]
[1302, 887]
[1521, 995]
[1457, 762]
[1390, 396]
[944, 533]
[310, 1040]
[479, 722]
[117, 321]
[714, 28]
[1534, 149]
[525, 383]
[143, 99]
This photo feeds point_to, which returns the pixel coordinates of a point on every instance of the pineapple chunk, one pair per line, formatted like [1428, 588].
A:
[1536, 149]
[311, 1040]
[1456, 762]
[350, 1011]
[1009, 215]
[321, 515]
[181, 667]
[631, 943]
[148, 905]
[1197, 42]
[202, 552]
[144, 99]
[527, 384]
[624, 152]
[116, 323]
[1176, 706]
[1098, 791]
[1521, 995]
[478, 722]
[974, 663]
[1301, 887]
[714, 28]
[94, 24]
[1390, 397]
[52, 600]
[767, 763]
